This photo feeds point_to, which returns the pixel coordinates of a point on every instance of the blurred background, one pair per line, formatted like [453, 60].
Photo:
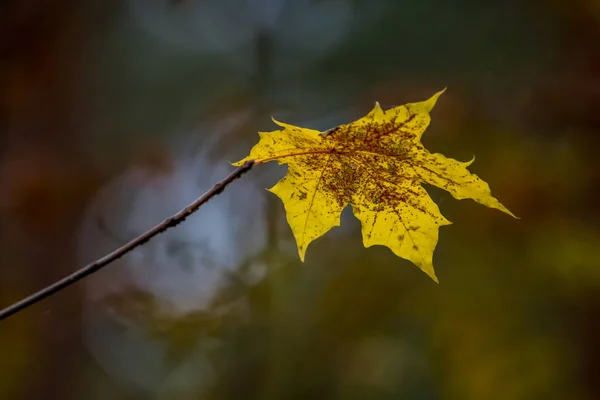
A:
[115, 114]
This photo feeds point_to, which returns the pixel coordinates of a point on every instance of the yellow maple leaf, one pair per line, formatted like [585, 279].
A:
[376, 164]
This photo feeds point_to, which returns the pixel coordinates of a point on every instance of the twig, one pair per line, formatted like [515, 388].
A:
[170, 222]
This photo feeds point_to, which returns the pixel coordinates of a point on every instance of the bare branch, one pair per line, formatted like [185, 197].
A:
[89, 269]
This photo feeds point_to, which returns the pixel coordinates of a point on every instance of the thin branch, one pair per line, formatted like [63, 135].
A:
[121, 251]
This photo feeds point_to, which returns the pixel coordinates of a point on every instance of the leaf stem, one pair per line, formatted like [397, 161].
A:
[89, 269]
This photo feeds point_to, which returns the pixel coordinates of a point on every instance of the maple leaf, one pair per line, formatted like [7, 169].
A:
[376, 164]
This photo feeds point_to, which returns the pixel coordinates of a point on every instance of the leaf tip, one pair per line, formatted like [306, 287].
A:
[277, 122]
[507, 211]
[428, 269]
[376, 113]
[302, 252]
[467, 163]
[430, 272]
[430, 103]
[445, 222]
[494, 203]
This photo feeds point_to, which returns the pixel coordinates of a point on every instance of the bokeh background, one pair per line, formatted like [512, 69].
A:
[115, 114]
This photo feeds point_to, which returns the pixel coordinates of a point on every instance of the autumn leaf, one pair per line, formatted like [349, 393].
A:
[377, 164]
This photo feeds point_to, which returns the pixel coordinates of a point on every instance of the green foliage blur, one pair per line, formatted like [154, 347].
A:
[91, 90]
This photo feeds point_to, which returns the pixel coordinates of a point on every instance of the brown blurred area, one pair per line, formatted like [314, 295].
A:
[519, 321]
[44, 183]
